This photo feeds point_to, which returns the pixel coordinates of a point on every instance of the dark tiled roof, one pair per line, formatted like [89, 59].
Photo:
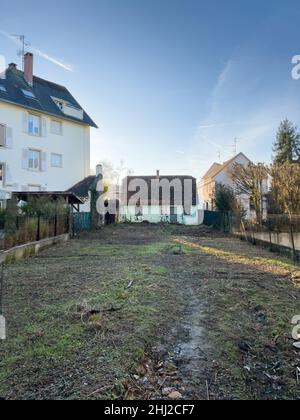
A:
[42, 90]
[81, 189]
[52, 195]
[169, 178]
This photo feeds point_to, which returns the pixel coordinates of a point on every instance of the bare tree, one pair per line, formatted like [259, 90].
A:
[286, 187]
[285, 191]
[250, 180]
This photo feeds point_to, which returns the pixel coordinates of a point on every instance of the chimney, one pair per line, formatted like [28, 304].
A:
[28, 68]
[99, 179]
[12, 66]
[157, 174]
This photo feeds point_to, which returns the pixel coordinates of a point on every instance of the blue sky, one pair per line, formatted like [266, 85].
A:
[170, 83]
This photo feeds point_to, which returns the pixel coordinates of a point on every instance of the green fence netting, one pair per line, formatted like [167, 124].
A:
[82, 222]
[218, 220]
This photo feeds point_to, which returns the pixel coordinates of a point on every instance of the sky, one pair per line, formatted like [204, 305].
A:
[170, 83]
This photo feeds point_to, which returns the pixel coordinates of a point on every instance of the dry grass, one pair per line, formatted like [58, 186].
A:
[65, 342]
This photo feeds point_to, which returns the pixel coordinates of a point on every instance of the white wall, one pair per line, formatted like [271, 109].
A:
[224, 178]
[73, 144]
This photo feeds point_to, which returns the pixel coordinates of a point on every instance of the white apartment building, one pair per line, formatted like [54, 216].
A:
[44, 134]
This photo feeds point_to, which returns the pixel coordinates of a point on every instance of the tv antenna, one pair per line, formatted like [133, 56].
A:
[219, 156]
[235, 144]
[23, 44]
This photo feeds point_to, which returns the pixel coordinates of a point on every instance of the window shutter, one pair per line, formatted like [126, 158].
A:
[8, 175]
[2, 135]
[44, 127]
[9, 137]
[44, 162]
[25, 159]
[25, 122]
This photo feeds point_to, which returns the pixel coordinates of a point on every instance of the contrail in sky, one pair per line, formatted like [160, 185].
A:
[220, 125]
[40, 53]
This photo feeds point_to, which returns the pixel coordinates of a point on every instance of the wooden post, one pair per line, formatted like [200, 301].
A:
[55, 224]
[38, 229]
[292, 239]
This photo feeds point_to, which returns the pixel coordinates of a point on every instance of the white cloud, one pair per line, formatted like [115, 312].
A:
[53, 60]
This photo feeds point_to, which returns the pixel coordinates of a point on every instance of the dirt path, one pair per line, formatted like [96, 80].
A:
[185, 313]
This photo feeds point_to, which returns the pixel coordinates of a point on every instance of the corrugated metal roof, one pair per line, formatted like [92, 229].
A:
[43, 92]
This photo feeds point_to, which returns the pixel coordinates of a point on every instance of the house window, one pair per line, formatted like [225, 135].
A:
[68, 109]
[2, 88]
[56, 160]
[56, 127]
[60, 104]
[34, 125]
[34, 160]
[28, 94]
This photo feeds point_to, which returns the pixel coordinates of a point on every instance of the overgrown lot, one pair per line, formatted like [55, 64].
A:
[143, 311]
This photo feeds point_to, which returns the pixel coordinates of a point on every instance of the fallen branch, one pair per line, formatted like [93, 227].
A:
[101, 311]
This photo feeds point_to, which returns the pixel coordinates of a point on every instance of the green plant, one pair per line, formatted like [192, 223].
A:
[45, 208]
[10, 223]
[225, 199]
[28, 230]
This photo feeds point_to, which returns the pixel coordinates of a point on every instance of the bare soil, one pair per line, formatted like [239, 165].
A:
[142, 311]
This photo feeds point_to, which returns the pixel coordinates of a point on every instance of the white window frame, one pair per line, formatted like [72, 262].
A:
[39, 166]
[34, 117]
[53, 121]
[55, 155]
